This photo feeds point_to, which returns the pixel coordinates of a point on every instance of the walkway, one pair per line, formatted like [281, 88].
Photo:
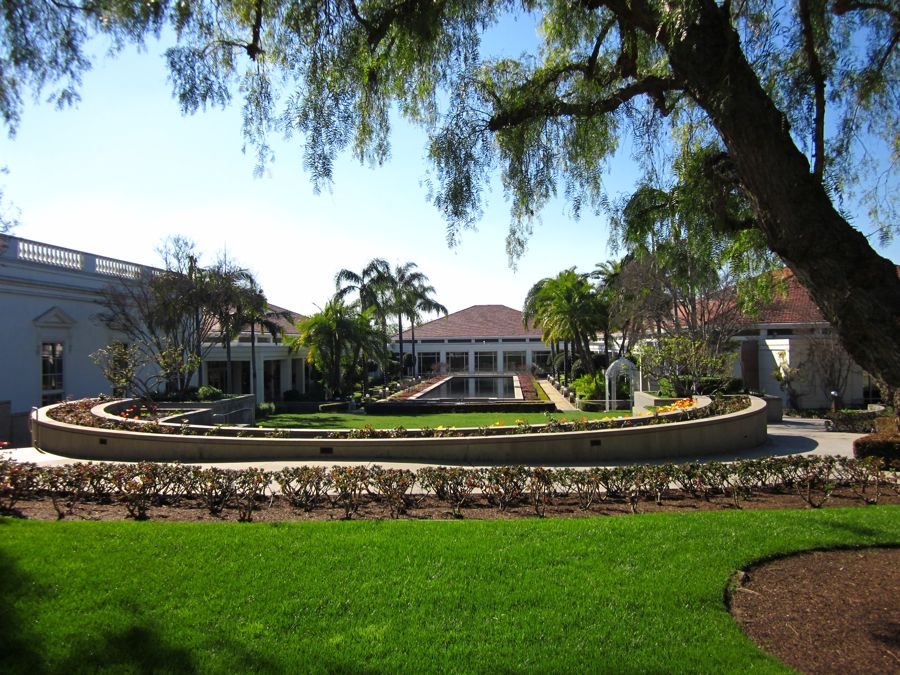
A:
[560, 401]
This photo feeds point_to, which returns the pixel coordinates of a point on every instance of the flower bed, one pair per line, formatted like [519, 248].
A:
[141, 486]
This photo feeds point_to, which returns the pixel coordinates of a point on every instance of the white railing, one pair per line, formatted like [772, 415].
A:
[33, 251]
[57, 256]
[117, 268]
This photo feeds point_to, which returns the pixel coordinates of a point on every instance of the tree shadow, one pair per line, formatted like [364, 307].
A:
[19, 647]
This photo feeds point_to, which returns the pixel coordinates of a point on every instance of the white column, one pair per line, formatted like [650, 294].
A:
[499, 365]
[471, 360]
[260, 377]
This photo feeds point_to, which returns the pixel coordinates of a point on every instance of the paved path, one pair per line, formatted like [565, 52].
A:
[561, 402]
[793, 436]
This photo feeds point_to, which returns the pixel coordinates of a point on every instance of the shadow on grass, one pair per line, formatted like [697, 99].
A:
[19, 648]
[135, 648]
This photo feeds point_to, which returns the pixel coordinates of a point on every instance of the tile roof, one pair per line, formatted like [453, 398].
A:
[796, 306]
[486, 321]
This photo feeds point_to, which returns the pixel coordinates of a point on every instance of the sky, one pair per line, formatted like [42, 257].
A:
[124, 169]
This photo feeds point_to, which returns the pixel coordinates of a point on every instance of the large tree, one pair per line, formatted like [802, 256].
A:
[787, 91]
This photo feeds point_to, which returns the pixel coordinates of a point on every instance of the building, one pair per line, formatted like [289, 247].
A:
[479, 339]
[790, 335]
[49, 304]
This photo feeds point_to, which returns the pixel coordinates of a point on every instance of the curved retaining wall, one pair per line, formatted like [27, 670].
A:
[727, 433]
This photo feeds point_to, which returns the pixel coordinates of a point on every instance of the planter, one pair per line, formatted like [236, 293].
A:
[774, 409]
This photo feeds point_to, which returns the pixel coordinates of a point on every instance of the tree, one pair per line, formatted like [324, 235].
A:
[405, 285]
[373, 290]
[419, 302]
[568, 309]
[232, 290]
[760, 75]
[163, 313]
[330, 336]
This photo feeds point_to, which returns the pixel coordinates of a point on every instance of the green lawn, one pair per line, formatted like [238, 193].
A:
[470, 419]
[640, 593]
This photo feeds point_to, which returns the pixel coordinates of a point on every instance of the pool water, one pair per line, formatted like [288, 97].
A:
[473, 387]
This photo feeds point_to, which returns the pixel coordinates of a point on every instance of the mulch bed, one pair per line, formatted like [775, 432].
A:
[424, 507]
[825, 611]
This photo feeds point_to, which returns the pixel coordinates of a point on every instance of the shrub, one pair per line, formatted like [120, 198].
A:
[349, 483]
[136, 485]
[249, 487]
[209, 393]
[215, 487]
[304, 486]
[540, 488]
[17, 479]
[590, 387]
[453, 485]
[503, 485]
[393, 486]
[584, 484]
[851, 421]
[885, 446]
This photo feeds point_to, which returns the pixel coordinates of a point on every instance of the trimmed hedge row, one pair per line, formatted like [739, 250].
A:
[140, 486]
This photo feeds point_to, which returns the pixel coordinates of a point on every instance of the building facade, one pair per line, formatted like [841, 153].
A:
[49, 302]
[479, 339]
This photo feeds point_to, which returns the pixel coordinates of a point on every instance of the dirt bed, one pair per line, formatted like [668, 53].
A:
[825, 611]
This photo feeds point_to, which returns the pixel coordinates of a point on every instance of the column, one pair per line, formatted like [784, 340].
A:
[499, 366]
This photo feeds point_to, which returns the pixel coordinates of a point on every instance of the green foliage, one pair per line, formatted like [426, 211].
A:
[209, 393]
[590, 387]
[684, 362]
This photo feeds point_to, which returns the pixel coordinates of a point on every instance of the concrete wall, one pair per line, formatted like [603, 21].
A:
[728, 433]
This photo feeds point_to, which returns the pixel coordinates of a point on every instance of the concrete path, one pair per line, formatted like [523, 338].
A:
[793, 436]
[560, 401]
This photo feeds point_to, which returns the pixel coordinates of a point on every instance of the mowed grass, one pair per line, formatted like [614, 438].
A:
[458, 420]
[627, 594]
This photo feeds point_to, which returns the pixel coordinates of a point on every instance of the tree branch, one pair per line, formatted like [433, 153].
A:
[529, 110]
[818, 80]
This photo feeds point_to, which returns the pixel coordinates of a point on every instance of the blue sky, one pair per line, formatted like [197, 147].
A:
[124, 169]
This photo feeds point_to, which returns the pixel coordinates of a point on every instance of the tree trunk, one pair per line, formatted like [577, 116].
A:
[857, 290]
[412, 346]
[253, 359]
[400, 326]
[228, 383]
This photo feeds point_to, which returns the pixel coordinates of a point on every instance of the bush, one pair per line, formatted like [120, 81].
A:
[851, 421]
[884, 446]
[590, 387]
[209, 393]
[292, 395]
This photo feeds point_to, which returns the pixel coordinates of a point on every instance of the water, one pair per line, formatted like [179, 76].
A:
[472, 388]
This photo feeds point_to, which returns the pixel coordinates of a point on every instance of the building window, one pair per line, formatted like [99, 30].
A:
[429, 362]
[458, 362]
[51, 373]
[485, 362]
[541, 361]
[513, 361]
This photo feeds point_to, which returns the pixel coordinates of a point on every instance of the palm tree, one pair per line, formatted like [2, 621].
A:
[231, 289]
[421, 302]
[569, 310]
[338, 338]
[373, 289]
[404, 282]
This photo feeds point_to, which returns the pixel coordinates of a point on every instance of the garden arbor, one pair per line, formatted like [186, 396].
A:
[620, 368]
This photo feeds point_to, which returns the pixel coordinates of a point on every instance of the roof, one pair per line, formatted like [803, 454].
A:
[478, 321]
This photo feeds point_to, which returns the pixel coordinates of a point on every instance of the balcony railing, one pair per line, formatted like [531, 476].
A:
[66, 258]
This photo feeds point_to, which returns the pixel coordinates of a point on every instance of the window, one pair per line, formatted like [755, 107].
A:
[429, 362]
[458, 362]
[513, 361]
[485, 362]
[541, 360]
[51, 372]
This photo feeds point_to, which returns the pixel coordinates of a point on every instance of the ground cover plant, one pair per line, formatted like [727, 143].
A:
[598, 594]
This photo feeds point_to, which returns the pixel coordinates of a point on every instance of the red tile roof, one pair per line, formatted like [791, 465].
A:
[478, 321]
[796, 306]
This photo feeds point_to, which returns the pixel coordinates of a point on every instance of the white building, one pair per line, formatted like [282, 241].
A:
[49, 305]
[479, 339]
